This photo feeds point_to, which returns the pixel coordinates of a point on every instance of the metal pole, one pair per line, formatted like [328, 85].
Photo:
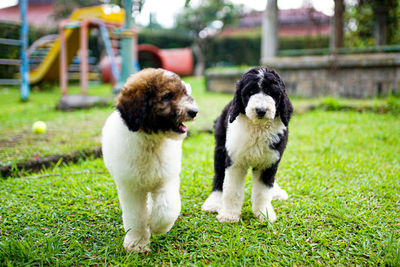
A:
[63, 60]
[109, 51]
[127, 66]
[83, 56]
[24, 69]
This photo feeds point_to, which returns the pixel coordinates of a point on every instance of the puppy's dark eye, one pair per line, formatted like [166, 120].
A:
[168, 96]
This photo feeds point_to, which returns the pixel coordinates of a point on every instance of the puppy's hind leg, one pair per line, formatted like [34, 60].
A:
[279, 193]
[166, 206]
[221, 160]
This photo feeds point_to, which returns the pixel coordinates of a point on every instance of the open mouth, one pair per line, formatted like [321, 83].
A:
[180, 128]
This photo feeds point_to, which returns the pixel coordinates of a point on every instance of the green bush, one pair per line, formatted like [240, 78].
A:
[164, 38]
[331, 103]
[245, 49]
[393, 103]
[238, 49]
[234, 50]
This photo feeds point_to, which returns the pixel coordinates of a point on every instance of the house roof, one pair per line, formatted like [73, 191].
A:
[39, 13]
[292, 22]
[301, 16]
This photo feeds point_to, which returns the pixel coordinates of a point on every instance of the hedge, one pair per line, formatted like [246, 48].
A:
[12, 31]
[230, 50]
[246, 49]
[164, 38]
[240, 49]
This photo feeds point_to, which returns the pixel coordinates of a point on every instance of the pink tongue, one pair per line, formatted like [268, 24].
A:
[182, 128]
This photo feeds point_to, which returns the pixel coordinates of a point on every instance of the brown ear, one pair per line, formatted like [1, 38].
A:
[133, 106]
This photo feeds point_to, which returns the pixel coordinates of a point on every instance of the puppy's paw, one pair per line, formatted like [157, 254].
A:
[213, 202]
[137, 249]
[136, 245]
[230, 218]
[263, 216]
[279, 193]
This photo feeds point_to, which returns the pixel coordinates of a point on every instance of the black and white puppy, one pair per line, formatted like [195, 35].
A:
[252, 131]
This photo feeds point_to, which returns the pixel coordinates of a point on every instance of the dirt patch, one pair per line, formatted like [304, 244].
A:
[13, 170]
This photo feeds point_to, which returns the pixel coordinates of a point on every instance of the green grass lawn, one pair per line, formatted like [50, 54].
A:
[68, 132]
[341, 171]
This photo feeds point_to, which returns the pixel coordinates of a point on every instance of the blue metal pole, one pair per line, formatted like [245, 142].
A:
[24, 69]
[128, 65]
[109, 51]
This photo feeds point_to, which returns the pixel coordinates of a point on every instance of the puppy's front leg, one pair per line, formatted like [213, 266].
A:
[165, 208]
[264, 191]
[232, 194]
[135, 219]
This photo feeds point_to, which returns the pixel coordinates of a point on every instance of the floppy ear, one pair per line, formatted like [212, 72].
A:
[134, 107]
[237, 103]
[285, 108]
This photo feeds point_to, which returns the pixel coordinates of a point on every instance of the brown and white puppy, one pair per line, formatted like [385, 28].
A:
[142, 147]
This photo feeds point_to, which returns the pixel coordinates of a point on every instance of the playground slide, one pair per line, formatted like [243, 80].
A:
[49, 68]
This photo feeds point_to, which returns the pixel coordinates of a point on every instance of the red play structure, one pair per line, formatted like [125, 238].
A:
[74, 36]
[178, 60]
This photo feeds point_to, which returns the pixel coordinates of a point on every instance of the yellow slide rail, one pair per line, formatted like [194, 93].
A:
[49, 68]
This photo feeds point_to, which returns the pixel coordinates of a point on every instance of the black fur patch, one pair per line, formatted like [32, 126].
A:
[281, 144]
[221, 158]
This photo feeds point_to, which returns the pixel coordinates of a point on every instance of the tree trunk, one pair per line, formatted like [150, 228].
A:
[381, 14]
[338, 25]
[270, 29]
[201, 59]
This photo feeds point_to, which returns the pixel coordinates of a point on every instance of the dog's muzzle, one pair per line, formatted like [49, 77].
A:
[260, 107]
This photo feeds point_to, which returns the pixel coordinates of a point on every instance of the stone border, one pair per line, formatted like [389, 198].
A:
[353, 76]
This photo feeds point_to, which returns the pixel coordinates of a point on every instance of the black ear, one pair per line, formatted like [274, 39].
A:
[237, 106]
[133, 109]
[285, 108]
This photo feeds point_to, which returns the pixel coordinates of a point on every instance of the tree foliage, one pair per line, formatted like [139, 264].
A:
[363, 16]
[195, 19]
[203, 21]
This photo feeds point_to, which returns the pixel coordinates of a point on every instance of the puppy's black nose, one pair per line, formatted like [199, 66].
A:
[192, 113]
[261, 112]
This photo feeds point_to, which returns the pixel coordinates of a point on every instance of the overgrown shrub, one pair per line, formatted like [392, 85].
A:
[164, 38]
[331, 104]
[393, 103]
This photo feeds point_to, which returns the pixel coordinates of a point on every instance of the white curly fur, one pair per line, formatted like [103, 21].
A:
[246, 144]
[146, 170]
